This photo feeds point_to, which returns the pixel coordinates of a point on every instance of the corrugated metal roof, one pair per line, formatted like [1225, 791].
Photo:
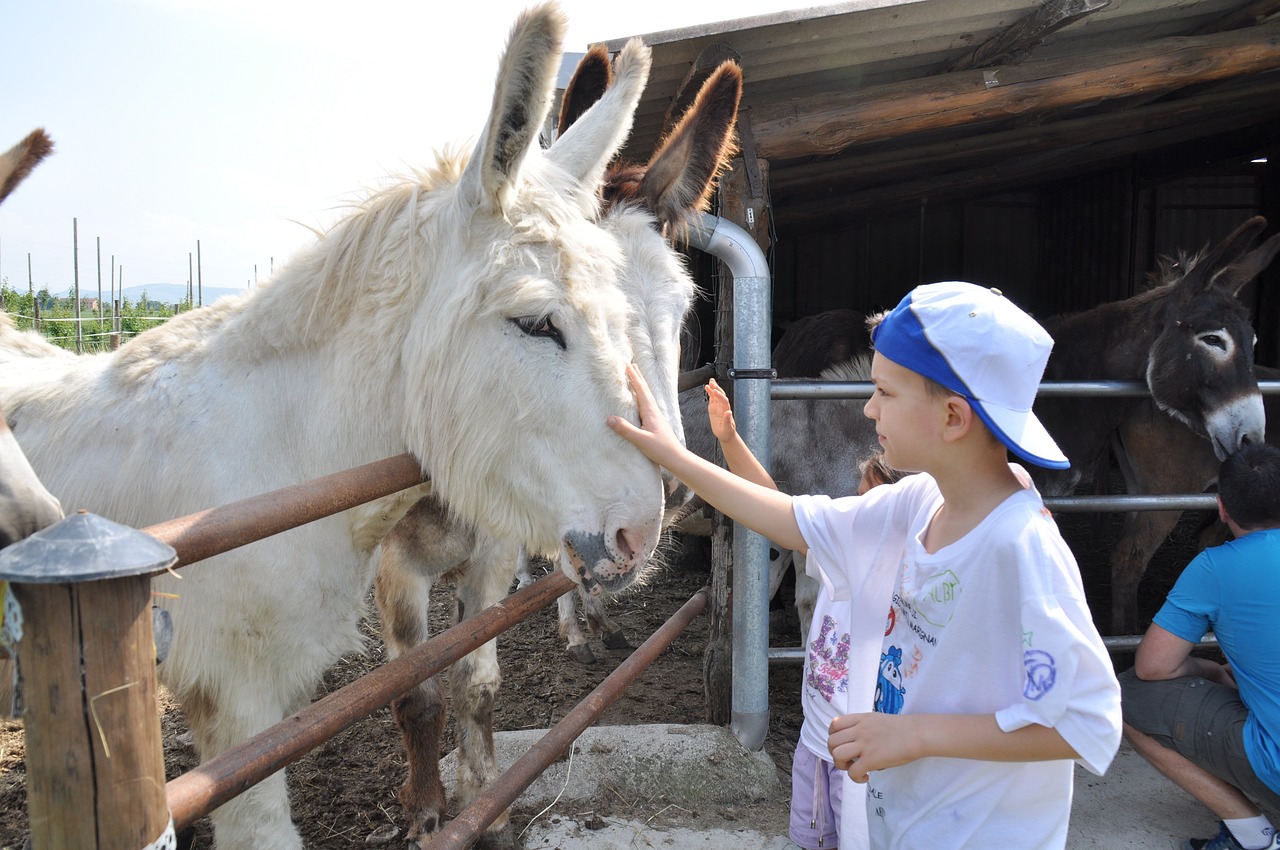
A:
[856, 105]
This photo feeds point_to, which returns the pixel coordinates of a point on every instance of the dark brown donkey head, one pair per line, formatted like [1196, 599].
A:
[1200, 367]
[1189, 338]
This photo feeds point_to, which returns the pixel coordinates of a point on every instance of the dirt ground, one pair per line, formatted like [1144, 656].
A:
[344, 794]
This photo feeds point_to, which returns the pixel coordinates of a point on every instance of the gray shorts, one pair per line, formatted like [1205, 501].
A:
[1200, 720]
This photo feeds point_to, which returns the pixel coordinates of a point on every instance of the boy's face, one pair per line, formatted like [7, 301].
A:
[908, 417]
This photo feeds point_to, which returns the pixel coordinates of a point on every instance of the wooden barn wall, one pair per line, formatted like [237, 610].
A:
[1056, 248]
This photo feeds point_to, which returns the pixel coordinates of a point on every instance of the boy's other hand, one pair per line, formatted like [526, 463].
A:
[860, 743]
[720, 413]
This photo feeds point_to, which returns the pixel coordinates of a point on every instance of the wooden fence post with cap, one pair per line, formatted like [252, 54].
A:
[87, 657]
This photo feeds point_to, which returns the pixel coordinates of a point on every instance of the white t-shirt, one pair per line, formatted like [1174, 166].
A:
[995, 623]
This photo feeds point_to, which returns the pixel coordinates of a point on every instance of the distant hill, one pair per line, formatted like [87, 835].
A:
[174, 293]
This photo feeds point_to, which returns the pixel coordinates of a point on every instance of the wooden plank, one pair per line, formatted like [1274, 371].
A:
[122, 704]
[831, 124]
[890, 163]
[1014, 42]
[1001, 174]
[1246, 16]
[60, 787]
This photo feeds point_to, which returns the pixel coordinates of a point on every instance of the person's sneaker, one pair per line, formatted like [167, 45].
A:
[1224, 840]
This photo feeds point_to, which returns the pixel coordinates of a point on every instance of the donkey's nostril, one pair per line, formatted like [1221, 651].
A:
[629, 544]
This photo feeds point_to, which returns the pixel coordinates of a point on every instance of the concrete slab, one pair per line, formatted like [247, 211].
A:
[691, 763]
[688, 772]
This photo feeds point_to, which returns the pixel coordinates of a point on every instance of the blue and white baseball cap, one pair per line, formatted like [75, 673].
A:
[978, 344]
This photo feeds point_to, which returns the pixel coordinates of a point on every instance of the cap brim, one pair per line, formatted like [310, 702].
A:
[1022, 434]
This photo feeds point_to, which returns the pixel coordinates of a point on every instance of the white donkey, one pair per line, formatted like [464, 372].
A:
[470, 315]
[425, 544]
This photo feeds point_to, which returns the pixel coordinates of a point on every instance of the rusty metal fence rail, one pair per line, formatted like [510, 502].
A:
[83, 774]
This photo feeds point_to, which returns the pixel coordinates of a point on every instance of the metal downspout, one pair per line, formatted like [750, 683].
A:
[752, 316]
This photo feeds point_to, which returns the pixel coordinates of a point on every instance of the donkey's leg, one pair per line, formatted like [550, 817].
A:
[258, 818]
[474, 682]
[806, 596]
[599, 623]
[524, 573]
[420, 547]
[1142, 534]
[576, 641]
[566, 616]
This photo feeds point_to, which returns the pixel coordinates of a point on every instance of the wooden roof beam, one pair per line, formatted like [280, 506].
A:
[890, 163]
[1012, 44]
[1001, 175]
[834, 122]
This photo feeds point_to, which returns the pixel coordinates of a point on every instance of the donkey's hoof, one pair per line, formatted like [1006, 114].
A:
[422, 828]
[582, 654]
[616, 640]
[499, 838]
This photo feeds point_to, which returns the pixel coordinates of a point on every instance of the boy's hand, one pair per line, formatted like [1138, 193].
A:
[860, 743]
[654, 437]
[720, 413]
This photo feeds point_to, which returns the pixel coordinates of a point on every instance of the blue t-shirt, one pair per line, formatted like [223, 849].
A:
[1234, 589]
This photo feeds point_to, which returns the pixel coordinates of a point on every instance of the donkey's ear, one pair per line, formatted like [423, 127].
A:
[1207, 269]
[682, 172]
[585, 149]
[521, 101]
[16, 163]
[1235, 276]
[588, 84]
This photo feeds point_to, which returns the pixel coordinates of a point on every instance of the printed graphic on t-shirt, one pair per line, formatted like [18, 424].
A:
[938, 596]
[889, 687]
[1041, 673]
[828, 672]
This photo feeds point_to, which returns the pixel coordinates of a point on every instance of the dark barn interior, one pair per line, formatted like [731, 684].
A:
[1052, 149]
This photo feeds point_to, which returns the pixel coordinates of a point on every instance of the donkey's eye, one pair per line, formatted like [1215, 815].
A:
[541, 326]
[1215, 340]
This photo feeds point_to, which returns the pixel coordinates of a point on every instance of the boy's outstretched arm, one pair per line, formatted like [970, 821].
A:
[737, 456]
[863, 742]
[765, 511]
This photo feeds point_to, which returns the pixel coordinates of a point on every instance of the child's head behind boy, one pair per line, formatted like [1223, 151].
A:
[954, 360]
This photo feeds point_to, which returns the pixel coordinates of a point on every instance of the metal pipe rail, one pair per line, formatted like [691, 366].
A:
[1048, 389]
[495, 799]
[1062, 504]
[779, 655]
[202, 789]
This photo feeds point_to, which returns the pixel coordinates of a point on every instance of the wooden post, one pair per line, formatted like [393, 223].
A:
[99, 243]
[747, 207]
[95, 760]
[75, 266]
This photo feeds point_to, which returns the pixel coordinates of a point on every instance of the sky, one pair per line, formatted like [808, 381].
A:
[232, 126]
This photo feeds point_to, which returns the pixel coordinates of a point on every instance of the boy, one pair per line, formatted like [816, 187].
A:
[992, 675]
[1214, 729]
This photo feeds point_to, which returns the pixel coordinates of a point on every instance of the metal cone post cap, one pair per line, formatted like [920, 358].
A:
[84, 547]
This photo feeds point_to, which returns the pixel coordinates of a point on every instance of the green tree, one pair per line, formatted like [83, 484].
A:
[58, 322]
